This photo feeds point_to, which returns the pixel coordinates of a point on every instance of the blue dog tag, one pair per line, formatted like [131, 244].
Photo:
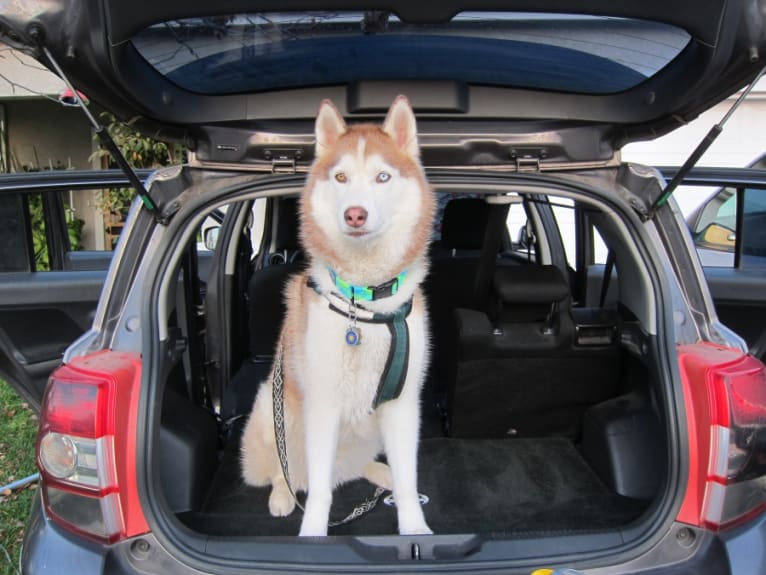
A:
[353, 336]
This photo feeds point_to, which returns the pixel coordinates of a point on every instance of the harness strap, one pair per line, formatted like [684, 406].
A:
[395, 371]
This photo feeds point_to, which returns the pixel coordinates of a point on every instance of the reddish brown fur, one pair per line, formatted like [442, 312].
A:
[376, 142]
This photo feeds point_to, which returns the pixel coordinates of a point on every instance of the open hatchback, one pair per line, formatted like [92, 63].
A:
[584, 406]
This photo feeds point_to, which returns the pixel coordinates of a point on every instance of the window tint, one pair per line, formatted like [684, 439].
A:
[15, 252]
[754, 224]
[55, 230]
[266, 51]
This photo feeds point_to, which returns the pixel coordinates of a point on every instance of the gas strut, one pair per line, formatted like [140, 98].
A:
[701, 148]
[107, 141]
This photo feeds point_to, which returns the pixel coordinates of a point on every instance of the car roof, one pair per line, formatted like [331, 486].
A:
[487, 80]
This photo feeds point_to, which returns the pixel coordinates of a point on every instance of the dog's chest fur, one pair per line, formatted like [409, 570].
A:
[350, 372]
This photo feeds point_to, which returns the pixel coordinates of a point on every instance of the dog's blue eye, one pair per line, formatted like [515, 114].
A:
[383, 177]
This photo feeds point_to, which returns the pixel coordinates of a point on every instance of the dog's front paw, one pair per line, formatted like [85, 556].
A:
[421, 529]
[411, 520]
[281, 502]
[313, 528]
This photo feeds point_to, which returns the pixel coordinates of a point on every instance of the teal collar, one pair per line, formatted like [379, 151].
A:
[367, 293]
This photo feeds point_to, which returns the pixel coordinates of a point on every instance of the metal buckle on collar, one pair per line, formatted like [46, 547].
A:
[386, 289]
[367, 293]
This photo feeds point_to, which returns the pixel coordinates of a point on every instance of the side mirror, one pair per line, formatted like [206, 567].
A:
[717, 237]
[210, 238]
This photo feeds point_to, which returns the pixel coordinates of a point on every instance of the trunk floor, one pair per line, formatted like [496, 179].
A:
[474, 486]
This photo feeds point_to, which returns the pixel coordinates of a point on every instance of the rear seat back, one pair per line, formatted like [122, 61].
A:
[450, 284]
[523, 369]
[266, 309]
[265, 293]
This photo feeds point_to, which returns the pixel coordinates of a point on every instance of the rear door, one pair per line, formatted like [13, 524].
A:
[729, 232]
[49, 284]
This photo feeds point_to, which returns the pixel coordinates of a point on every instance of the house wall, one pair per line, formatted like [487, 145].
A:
[42, 135]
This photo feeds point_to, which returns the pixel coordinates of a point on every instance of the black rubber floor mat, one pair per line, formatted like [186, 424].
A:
[473, 486]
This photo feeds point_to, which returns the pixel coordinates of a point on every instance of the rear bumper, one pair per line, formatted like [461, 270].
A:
[746, 547]
[50, 550]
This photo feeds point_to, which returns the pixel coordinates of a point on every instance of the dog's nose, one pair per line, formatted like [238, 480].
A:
[355, 216]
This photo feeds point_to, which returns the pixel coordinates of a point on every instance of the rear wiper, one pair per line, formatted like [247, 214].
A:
[106, 139]
[703, 146]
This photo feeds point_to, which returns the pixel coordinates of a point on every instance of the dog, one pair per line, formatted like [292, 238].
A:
[354, 345]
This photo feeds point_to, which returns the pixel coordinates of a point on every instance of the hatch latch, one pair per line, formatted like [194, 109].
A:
[282, 160]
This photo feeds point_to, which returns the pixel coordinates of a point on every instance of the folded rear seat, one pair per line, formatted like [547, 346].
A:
[524, 369]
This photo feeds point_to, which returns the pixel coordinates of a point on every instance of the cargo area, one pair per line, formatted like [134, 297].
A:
[541, 411]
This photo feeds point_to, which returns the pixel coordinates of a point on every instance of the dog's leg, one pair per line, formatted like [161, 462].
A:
[321, 428]
[400, 425]
[281, 502]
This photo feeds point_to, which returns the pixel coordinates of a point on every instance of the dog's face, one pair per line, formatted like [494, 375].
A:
[366, 193]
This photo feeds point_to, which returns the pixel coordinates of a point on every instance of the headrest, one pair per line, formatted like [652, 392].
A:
[530, 284]
[463, 224]
[286, 237]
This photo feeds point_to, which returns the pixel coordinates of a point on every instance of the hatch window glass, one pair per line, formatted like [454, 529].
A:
[266, 51]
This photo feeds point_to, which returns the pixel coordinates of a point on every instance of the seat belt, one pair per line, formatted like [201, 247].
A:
[608, 267]
[493, 236]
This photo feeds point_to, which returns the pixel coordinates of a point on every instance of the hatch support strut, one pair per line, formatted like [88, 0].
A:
[107, 141]
[701, 148]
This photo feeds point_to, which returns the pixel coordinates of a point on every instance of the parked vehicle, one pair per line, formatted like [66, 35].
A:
[576, 413]
[714, 224]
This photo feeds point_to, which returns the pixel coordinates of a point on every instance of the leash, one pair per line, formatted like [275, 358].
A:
[278, 399]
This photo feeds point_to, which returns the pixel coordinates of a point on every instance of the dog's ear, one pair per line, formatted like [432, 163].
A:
[329, 127]
[400, 125]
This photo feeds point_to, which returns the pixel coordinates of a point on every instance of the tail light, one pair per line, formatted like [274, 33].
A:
[725, 395]
[86, 447]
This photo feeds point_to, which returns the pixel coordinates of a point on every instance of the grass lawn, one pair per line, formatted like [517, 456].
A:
[18, 428]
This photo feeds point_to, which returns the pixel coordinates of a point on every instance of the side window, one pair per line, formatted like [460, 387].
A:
[58, 230]
[600, 249]
[714, 227]
[563, 211]
[754, 227]
[15, 240]
[520, 231]
[207, 238]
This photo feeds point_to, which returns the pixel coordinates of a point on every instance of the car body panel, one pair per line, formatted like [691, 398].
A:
[728, 552]
[43, 312]
[544, 135]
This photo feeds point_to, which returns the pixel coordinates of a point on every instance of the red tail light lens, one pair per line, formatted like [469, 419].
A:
[725, 394]
[86, 446]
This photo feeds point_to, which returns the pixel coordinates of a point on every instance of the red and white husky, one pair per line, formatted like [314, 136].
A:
[355, 336]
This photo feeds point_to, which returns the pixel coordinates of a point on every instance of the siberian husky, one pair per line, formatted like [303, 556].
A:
[354, 344]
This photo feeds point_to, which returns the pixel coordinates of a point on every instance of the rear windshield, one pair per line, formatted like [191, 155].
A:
[266, 51]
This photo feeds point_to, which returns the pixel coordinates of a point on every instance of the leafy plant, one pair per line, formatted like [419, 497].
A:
[140, 152]
[39, 241]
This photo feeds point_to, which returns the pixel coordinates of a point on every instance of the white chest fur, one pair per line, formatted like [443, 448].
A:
[337, 369]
